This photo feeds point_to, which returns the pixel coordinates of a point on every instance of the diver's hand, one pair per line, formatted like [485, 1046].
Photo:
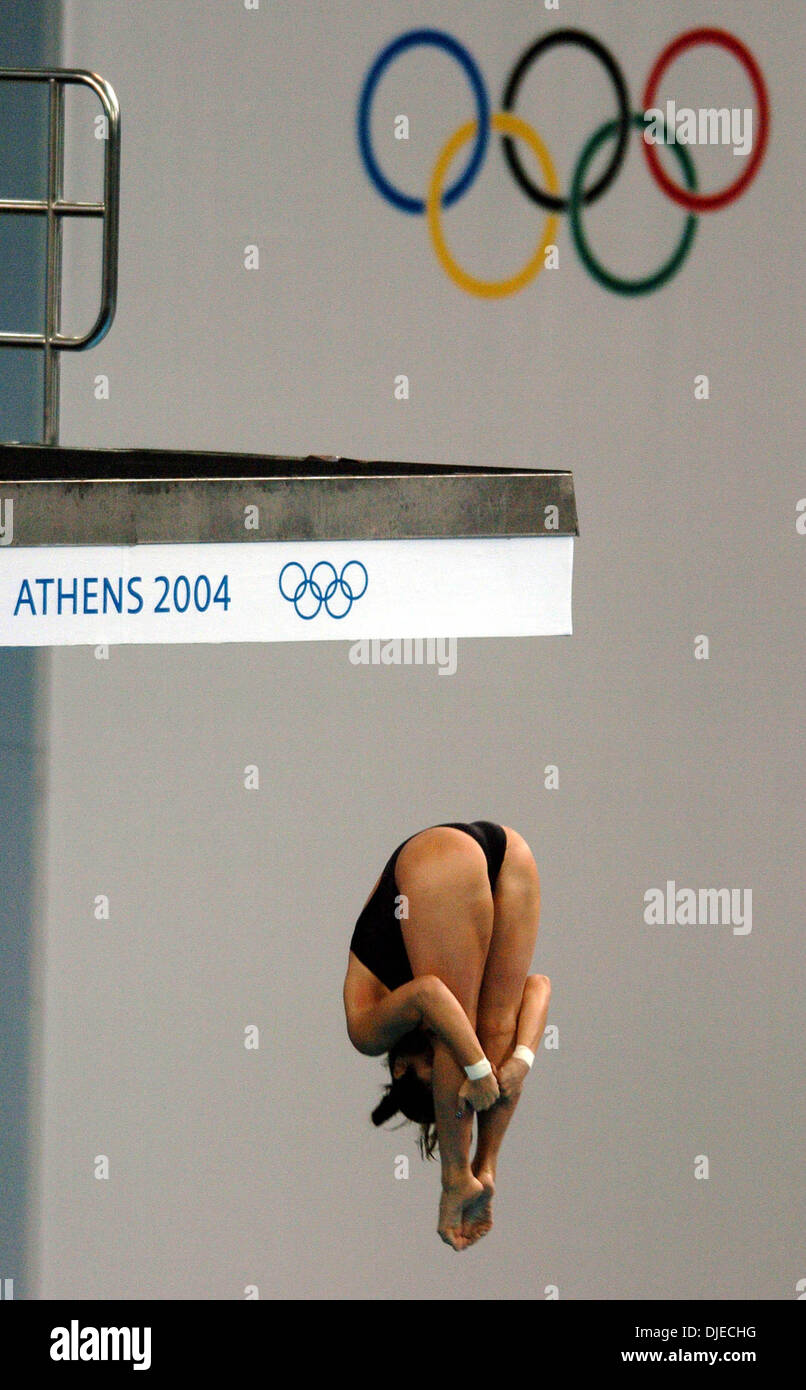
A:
[511, 1077]
[480, 1094]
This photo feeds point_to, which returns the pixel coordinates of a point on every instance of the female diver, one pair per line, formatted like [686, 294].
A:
[438, 978]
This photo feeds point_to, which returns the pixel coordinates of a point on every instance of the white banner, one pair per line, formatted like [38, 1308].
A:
[285, 591]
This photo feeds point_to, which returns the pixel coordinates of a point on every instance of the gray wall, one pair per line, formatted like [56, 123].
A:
[230, 907]
[29, 37]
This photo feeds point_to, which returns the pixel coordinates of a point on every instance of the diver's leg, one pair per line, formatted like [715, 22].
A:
[516, 904]
[442, 874]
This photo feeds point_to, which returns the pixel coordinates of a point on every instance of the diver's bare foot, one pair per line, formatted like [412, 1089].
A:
[456, 1198]
[479, 1213]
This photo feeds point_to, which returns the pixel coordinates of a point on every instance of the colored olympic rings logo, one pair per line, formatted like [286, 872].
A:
[322, 590]
[511, 127]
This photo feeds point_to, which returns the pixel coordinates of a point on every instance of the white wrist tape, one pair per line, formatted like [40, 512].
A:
[478, 1070]
[525, 1053]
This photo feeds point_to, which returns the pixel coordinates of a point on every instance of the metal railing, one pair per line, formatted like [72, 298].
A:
[54, 207]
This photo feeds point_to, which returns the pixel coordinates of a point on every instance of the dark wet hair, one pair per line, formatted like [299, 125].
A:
[408, 1095]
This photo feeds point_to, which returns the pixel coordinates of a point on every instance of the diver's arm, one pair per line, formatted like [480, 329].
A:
[424, 1002]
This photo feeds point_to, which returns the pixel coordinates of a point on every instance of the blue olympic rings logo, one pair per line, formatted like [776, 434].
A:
[323, 590]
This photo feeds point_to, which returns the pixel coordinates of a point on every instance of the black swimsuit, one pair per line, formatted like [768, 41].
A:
[378, 940]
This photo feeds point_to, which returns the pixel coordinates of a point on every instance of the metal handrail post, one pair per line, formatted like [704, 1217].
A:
[55, 207]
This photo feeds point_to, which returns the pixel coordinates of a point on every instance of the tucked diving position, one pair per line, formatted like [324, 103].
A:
[438, 978]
